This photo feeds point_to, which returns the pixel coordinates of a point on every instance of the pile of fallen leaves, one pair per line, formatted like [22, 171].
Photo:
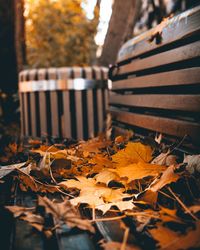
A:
[148, 185]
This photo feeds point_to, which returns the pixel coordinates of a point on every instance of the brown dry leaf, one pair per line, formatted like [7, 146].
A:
[157, 31]
[138, 170]
[150, 194]
[194, 209]
[158, 138]
[101, 161]
[18, 210]
[28, 215]
[93, 145]
[65, 213]
[133, 153]
[11, 151]
[114, 245]
[27, 182]
[167, 177]
[5, 170]
[193, 163]
[53, 152]
[149, 197]
[167, 215]
[161, 158]
[169, 239]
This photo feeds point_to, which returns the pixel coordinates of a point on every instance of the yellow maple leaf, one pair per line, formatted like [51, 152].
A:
[133, 153]
[121, 205]
[138, 170]
[92, 193]
[105, 176]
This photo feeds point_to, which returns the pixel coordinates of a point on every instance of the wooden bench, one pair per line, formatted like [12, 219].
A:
[156, 80]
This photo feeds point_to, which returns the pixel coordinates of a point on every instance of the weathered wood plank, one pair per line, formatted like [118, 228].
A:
[33, 114]
[174, 29]
[90, 113]
[171, 78]
[54, 113]
[79, 114]
[26, 121]
[66, 126]
[172, 102]
[43, 113]
[100, 109]
[178, 128]
[172, 56]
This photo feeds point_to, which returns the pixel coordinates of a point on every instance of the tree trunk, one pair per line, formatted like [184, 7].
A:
[12, 49]
[121, 22]
[20, 34]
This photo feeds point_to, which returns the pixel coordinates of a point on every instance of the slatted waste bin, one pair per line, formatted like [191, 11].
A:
[156, 80]
[63, 102]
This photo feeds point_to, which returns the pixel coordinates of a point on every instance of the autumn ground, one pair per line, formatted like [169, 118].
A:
[152, 186]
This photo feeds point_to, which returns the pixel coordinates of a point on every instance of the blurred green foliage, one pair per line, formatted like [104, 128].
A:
[58, 33]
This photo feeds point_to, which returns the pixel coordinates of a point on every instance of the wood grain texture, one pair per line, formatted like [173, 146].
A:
[26, 112]
[79, 114]
[43, 112]
[159, 101]
[172, 56]
[33, 115]
[173, 30]
[171, 78]
[178, 128]
[54, 113]
[66, 126]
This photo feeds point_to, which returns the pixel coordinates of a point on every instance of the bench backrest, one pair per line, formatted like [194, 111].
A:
[156, 80]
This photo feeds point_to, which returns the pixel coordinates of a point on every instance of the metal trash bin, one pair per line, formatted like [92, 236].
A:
[63, 102]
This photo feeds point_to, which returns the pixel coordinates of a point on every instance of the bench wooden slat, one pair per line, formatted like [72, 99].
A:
[79, 114]
[171, 78]
[26, 122]
[66, 124]
[174, 29]
[159, 101]
[21, 113]
[100, 109]
[172, 56]
[43, 112]
[90, 113]
[163, 125]
[54, 113]
[33, 114]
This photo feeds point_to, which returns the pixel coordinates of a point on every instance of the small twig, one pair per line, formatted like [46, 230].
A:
[179, 144]
[143, 214]
[109, 219]
[51, 174]
[62, 192]
[166, 195]
[125, 238]
[93, 213]
[182, 204]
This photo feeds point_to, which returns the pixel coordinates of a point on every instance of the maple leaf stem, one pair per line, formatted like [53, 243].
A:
[182, 204]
